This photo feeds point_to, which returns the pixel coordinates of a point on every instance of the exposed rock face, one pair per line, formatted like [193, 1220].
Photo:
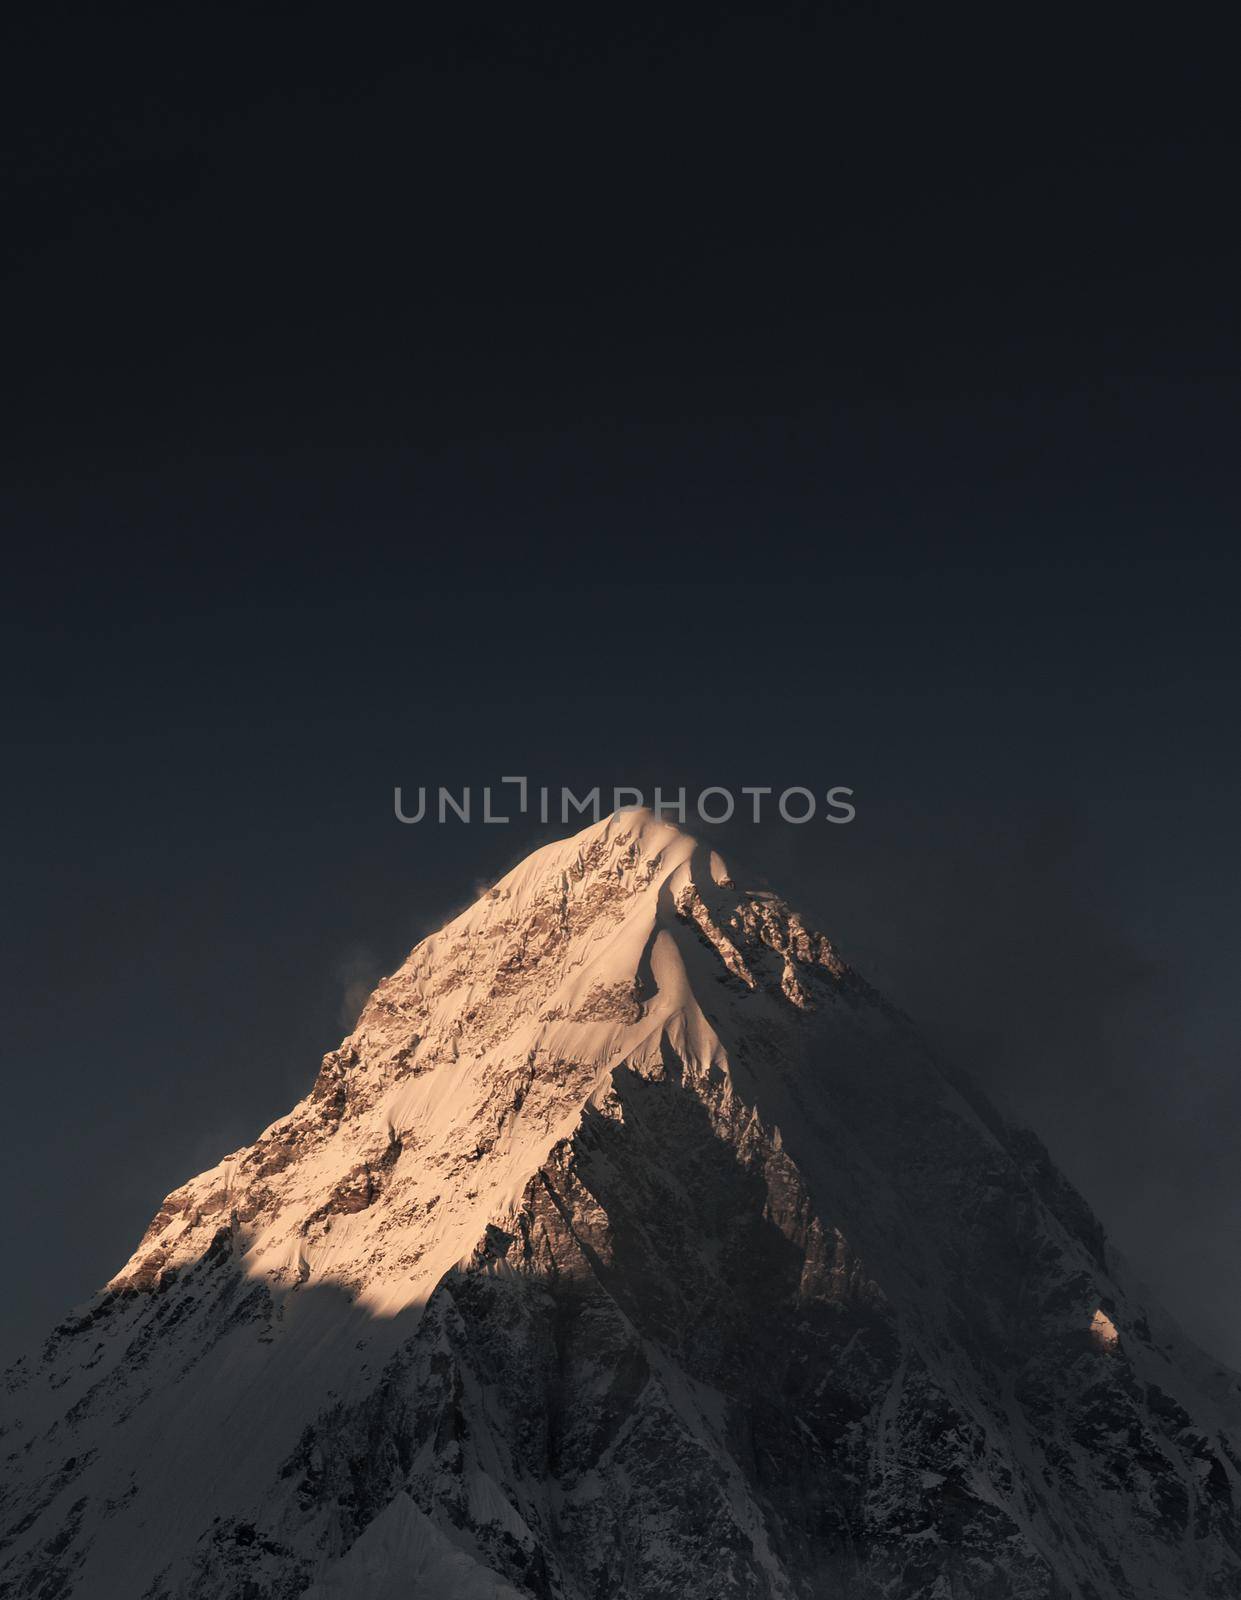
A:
[631, 1246]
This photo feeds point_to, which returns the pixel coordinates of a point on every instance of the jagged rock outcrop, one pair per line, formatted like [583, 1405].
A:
[631, 1246]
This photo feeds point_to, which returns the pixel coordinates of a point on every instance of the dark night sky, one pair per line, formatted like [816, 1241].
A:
[826, 396]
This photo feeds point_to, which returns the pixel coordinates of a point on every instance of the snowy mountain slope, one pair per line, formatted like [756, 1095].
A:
[401, 1555]
[629, 1246]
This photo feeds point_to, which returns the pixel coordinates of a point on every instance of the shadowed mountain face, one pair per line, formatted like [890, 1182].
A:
[631, 1246]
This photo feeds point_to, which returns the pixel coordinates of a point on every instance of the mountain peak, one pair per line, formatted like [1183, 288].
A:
[485, 1046]
[630, 1246]
[620, 842]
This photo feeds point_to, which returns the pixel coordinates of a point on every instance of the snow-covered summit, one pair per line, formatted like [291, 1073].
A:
[629, 1246]
[481, 1052]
